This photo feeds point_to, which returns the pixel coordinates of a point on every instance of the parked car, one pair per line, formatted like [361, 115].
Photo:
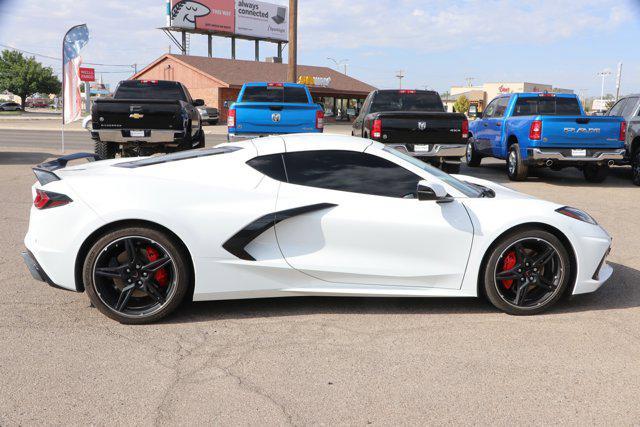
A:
[414, 121]
[273, 108]
[629, 109]
[533, 130]
[146, 117]
[300, 215]
[10, 106]
[209, 115]
[37, 103]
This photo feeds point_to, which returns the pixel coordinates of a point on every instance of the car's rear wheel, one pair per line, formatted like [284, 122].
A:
[527, 272]
[517, 170]
[595, 173]
[136, 275]
[472, 156]
[201, 140]
[635, 167]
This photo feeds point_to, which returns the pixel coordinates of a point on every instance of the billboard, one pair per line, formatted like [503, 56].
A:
[262, 20]
[204, 15]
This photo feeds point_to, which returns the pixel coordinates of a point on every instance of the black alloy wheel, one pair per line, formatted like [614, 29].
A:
[527, 273]
[135, 275]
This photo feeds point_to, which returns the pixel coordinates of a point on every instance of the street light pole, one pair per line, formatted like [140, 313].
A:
[604, 73]
[293, 41]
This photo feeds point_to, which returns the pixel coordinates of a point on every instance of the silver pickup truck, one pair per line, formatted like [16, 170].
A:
[629, 108]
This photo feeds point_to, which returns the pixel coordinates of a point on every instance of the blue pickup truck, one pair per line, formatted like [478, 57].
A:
[273, 108]
[531, 130]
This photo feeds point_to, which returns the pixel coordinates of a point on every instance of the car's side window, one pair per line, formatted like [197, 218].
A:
[490, 110]
[616, 110]
[271, 165]
[351, 171]
[630, 107]
[501, 107]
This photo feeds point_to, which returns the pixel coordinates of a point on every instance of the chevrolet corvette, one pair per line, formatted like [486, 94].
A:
[304, 214]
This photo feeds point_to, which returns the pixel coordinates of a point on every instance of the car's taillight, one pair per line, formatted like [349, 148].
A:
[465, 128]
[231, 119]
[275, 85]
[376, 129]
[49, 199]
[623, 131]
[319, 119]
[535, 131]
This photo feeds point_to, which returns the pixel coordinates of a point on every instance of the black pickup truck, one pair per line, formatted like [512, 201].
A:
[415, 122]
[146, 117]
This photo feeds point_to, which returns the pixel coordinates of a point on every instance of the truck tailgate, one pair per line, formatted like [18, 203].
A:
[137, 114]
[259, 117]
[583, 132]
[422, 127]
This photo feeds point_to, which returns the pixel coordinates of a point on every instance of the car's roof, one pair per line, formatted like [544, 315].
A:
[309, 142]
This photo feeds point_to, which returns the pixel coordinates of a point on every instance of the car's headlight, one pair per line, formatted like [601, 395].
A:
[576, 214]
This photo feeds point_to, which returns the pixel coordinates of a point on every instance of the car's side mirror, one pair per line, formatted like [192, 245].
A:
[198, 102]
[428, 190]
[479, 115]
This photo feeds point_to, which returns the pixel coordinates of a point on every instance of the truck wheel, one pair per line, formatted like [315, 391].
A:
[635, 167]
[200, 140]
[517, 170]
[473, 157]
[104, 149]
[595, 173]
[450, 167]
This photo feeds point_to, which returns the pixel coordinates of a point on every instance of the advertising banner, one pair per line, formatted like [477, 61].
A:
[262, 20]
[205, 15]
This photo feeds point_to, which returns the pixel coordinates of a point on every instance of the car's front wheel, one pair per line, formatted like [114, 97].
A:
[635, 167]
[527, 272]
[136, 275]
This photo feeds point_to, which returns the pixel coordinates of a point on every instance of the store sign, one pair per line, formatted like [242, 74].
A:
[87, 74]
[206, 15]
[314, 81]
[262, 20]
[503, 89]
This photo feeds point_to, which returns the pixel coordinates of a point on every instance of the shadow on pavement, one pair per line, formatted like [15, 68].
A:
[620, 292]
[24, 158]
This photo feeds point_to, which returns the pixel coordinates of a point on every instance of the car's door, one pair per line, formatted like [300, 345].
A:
[357, 227]
[496, 126]
[358, 123]
[482, 133]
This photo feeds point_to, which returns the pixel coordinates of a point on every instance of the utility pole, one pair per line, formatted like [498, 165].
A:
[604, 73]
[293, 41]
[342, 62]
[469, 81]
[618, 78]
[400, 76]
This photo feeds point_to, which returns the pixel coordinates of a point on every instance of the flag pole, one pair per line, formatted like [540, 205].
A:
[64, 98]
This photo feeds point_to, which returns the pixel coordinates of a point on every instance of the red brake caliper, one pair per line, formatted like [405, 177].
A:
[160, 275]
[508, 263]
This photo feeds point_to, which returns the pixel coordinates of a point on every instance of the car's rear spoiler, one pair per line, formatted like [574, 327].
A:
[44, 171]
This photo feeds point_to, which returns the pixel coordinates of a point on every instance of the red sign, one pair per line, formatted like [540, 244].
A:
[206, 15]
[87, 74]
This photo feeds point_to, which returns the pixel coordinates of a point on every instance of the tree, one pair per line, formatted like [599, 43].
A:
[26, 76]
[461, 105]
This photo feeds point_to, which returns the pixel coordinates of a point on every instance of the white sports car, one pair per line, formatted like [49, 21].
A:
[300, 215]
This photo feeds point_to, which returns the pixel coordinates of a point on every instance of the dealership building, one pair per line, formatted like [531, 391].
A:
[218, 81]
[480, 96]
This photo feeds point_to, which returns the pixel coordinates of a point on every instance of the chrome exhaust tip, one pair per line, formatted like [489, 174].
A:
[548, 163]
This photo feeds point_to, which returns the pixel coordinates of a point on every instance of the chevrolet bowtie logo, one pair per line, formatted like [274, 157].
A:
[136, 116]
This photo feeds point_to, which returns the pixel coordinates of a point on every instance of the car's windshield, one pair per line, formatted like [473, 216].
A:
[466, 189]
[409, 100]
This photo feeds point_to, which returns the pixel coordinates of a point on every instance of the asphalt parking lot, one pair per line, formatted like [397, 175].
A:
[325, 360]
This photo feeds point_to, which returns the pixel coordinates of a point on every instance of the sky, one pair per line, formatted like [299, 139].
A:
[437, 44]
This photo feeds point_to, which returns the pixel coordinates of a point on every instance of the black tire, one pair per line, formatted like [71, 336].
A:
[472, 156]
[201, 140]
[451, 168]
[517, 170]
[149, 299]
[595, 173]
[543, 294]
[635, 168]
[106, 150]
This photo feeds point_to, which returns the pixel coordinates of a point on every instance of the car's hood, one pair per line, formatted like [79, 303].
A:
[501, 191]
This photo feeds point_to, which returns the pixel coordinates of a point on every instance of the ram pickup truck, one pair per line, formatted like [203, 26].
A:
[146, 117]
[273, 108]
[533, 130]
[629, 109]
[415, 122]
